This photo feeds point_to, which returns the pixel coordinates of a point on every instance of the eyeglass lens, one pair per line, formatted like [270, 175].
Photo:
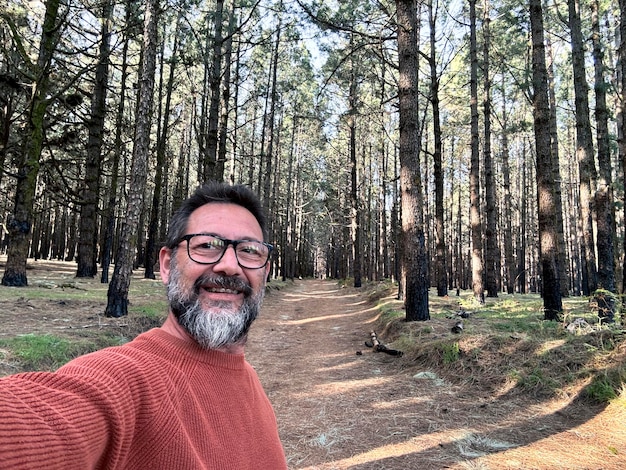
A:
[209, 249]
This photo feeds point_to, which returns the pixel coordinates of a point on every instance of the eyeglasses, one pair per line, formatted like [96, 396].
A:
[209, 249]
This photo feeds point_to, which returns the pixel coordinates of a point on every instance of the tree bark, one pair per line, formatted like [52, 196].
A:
[584, 146]
[88, 233]
[548, 249]
[161, 167]
[266, 180]
[117, 297]
[441, 254]
[556, 172]
[109, 219]
[414, 255]
[622, 109]
[604, 192]
[509, 259]
[20, 221]
[354, 193]
[223, 125]
[214, 106]
[475, 219]
[492, 251]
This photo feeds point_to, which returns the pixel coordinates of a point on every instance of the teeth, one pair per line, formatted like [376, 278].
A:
[221, 291]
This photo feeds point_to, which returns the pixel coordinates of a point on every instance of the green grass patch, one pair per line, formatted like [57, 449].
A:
[608, 385]
[155, 311]
[451, 352]
[389, 314]
[48, 352]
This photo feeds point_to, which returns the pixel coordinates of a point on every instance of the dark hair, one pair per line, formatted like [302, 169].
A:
[214, 192]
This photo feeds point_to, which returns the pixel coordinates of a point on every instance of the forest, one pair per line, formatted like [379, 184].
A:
[444, 145]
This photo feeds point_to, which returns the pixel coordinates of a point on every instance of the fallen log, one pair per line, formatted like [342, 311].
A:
[379, 347]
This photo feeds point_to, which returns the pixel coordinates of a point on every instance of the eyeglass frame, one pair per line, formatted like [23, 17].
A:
[227, 243]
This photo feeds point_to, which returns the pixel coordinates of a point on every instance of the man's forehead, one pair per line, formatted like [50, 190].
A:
[223, 214]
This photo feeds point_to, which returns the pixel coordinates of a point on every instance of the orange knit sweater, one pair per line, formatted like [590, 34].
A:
[154, 403]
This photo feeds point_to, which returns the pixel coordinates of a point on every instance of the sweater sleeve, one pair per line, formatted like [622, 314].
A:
[64, 420]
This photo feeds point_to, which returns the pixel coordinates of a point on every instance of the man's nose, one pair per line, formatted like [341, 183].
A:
[228, 263]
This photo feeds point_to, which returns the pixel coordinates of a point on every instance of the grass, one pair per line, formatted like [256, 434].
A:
[32, 352]
[507, 341]
[67, 318]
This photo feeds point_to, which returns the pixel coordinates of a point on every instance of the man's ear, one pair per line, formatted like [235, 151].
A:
[165, 258]
[268, 267]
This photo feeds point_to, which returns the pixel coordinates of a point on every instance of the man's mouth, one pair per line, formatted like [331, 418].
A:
[223, 285]
[220, 290]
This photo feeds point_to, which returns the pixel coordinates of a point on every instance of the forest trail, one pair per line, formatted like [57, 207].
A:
[340, 410]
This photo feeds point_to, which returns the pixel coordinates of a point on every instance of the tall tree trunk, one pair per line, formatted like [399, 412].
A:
[584, 145]
[288, 231]
[622, 109]
[556, 172]
[522, 274]
[354, 193]
[109, 219]
[384, 228]
[11, 91]
[236, 175]
[117, 297]
[271, 121]
[548, 249]
[509, 259]
[441, 254]
[214, 106]
[223, 130]
[88, 233]
[475, 221]
[460, 278]
[604, 192]
[20, 221]
[414, 255]
[161, 166]
[492, 251]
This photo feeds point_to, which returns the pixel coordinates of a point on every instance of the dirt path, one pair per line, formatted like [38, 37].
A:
[340, 410]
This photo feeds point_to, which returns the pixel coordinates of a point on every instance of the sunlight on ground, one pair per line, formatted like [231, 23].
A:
[550, 345]
[324, 294]
[343, 387]
[346, 366]
[401, 403]
[413, 445]
[506, 388]
[304, 321]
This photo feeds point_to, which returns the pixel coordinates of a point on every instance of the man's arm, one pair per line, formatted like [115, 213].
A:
[62, 420]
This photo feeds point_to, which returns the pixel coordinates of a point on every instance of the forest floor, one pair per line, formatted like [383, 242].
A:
[338, 409]
[339, 405]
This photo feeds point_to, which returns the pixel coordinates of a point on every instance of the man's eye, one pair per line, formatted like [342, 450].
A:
[249, 249]
[210, 245]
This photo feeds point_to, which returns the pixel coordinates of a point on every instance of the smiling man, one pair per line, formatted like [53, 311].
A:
[216, 281]
[177, 397]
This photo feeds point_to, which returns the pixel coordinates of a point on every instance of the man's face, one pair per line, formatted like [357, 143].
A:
[216, 303]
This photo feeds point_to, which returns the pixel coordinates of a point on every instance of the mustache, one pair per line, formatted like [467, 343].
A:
[223, 282]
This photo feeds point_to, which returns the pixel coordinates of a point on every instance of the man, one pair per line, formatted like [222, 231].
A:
[179, 397]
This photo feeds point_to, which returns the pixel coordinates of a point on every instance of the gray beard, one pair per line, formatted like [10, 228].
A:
[220, 324]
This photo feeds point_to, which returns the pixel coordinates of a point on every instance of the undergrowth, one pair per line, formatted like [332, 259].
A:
[506, 342]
